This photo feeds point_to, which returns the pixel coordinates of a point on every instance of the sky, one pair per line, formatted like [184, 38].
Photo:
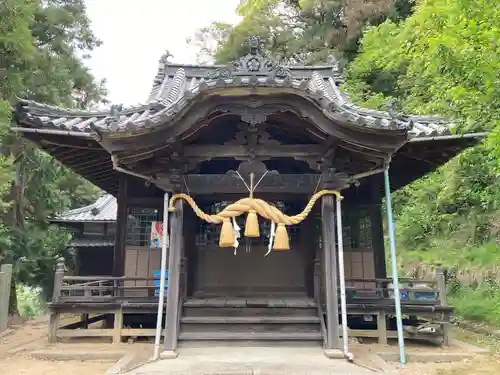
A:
[135, 33]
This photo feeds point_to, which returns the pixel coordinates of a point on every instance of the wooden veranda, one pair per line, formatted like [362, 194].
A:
[371, 311]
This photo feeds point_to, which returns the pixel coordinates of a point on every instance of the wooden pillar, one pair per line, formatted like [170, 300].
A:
[118, 325]
[121, 228]
[378, 245]
[56, 294]
[174, 275]
[377, 228]
[330, 261]
[382, 327]
[190, 252]
[308, 251]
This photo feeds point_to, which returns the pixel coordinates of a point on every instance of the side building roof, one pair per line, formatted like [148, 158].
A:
[103, 210]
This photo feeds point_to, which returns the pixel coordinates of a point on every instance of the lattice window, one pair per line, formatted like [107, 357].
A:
[365, 230]
[356, 228]
[139, 225]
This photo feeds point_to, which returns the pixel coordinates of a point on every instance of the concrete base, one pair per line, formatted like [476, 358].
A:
[233, 360]
[169, 354]
[423, 357]
[120, 366]
[76, 355]
[334, 354]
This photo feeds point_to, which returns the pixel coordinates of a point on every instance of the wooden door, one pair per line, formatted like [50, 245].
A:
[221, 272]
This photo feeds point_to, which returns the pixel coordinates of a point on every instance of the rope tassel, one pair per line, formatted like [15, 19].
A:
[281, 241]
[252, 225]
[226, 234]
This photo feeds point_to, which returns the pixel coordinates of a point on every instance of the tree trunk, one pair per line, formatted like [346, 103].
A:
[13, 307]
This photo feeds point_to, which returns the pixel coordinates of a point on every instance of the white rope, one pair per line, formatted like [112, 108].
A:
[271, 238]
[241, 178]
[317, 184]
[186, 185]
[260, 179]
[236, 231]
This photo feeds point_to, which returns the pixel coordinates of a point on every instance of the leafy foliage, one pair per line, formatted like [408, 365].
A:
[299, 31]
[444, 60]
[40, 45]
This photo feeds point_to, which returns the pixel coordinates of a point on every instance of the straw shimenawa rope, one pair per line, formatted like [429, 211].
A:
[252, 206]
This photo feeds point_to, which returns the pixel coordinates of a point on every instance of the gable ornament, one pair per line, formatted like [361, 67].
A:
[253, 63]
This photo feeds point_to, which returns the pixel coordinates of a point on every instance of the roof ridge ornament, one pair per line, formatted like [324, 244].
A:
[252, 64]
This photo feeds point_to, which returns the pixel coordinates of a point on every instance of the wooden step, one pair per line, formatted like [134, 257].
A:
[250, 336]
[251, 302]
[250, 319]
[251, 328]
[189, 311]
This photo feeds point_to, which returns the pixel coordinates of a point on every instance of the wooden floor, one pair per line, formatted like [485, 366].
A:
[291, 302]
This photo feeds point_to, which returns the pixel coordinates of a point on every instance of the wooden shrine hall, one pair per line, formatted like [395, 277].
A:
[268, 137]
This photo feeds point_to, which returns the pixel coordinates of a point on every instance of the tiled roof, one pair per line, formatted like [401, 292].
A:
[104, 209]
[177, 86]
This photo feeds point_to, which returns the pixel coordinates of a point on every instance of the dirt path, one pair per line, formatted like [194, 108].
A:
[15, 361]
[482, 364]
[31, 335]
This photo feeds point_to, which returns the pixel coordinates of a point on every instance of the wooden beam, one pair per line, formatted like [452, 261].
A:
[330, 263]
[267, 151]
[174, 275]
[121, 228]
[229, 183]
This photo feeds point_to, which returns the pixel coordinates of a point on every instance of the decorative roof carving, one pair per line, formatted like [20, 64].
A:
[253, 63]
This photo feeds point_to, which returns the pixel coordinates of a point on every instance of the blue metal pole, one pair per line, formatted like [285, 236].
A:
[163, 267]
[394, 268]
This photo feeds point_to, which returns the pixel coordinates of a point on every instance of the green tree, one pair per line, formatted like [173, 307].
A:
[40, 47]
[299, 31]
[443, 60]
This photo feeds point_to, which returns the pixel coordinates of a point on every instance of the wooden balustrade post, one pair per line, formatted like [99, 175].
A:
[58, 280]
[441, 285]
[56, 295]
[117, 326]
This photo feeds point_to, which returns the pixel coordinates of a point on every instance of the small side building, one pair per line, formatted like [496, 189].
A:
[94, 231]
